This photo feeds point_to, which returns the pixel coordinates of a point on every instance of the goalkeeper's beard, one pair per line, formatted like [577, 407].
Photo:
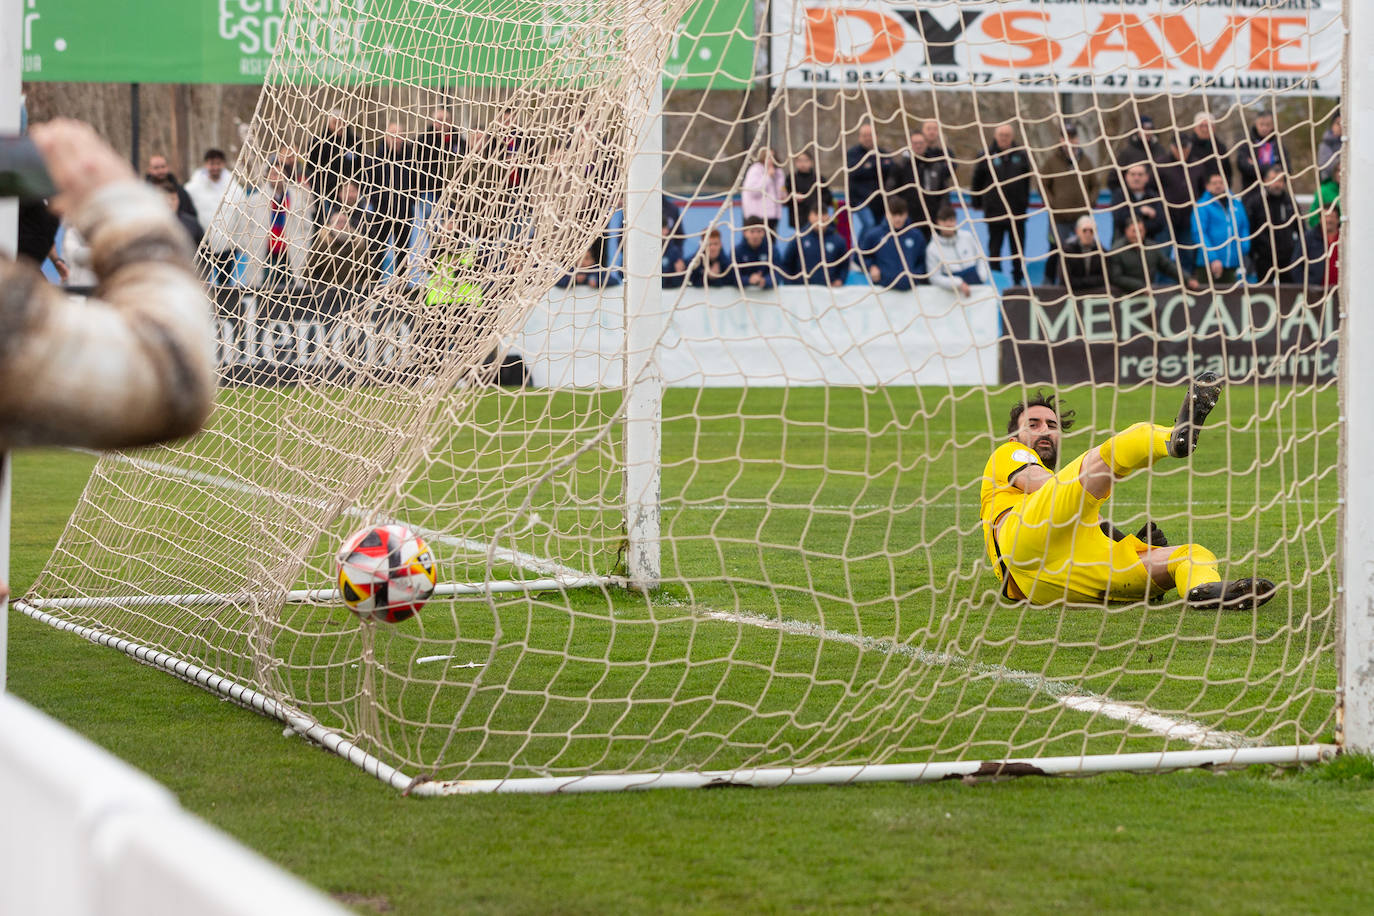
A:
[1048, 453]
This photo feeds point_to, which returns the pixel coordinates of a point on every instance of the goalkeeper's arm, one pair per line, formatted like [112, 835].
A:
[133, 364]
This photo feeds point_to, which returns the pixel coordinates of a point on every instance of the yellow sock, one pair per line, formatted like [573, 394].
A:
[1135, 448]
[1192, 565]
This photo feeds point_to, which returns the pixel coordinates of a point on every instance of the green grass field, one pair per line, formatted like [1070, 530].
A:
[690, 690]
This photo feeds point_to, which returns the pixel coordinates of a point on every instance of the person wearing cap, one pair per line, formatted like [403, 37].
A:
[1140, 146]
[1069, 183]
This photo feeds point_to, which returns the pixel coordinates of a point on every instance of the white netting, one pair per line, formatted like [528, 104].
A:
[439, 185]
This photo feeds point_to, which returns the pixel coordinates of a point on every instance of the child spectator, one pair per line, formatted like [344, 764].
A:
[819, 255]
[590, 273]
[763, 194]
[953, 258]
[711, 267]
[893, 254]
[754, 255]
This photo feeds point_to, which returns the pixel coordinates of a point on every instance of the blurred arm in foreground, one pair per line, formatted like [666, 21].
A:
[132, 365]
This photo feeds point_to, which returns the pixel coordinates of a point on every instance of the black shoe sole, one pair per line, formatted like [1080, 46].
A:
[1203, 394]
[1236, 595]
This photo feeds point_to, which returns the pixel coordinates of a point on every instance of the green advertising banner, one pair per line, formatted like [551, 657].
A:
[361, 41]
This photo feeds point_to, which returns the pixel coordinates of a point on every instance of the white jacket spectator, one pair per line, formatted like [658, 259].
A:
[76, 251]
[207, 193]
[273, 228]
[954, 259]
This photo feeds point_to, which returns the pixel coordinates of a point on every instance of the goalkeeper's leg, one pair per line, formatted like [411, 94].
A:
[1192, 569]
[1144, 443]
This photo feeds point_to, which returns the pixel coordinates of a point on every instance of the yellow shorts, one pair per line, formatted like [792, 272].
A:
[1055, 550]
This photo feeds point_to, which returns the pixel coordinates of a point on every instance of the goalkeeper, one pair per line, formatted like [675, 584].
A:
[1043, 529]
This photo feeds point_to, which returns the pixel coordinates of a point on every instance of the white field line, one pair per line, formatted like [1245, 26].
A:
[518, 558]
[1063, 693]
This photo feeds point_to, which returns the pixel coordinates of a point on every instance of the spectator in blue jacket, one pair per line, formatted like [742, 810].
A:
[893, 253]
[818, 256]
[1223, 232]
[674, 261]
[754, 255]
[712, 266]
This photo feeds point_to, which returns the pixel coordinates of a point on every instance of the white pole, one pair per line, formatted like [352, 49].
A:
[644, 321]
[11, 78]
[1357, 387]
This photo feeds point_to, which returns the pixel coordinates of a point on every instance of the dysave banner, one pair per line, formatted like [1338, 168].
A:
[1126, 46]
[415, 41]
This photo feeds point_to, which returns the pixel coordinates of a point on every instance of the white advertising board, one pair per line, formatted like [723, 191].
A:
[791, 336]
[1241, 47]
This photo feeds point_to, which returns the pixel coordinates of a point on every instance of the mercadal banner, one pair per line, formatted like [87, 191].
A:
[1267, 334]
[1128, 46]
[234, 41]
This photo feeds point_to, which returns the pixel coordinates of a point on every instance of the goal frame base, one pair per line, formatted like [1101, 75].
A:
[766, 777]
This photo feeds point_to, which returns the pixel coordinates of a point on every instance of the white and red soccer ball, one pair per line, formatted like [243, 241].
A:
[386, 573]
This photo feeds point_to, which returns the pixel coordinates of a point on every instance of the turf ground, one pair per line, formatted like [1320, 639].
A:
[1186, 841]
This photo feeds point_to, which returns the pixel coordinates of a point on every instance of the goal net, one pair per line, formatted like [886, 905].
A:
[684, 333]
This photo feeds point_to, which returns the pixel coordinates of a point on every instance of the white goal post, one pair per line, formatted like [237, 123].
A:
[732, 534]
[1357, 638]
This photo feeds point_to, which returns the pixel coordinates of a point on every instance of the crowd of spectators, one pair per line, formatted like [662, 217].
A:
[1183, 207]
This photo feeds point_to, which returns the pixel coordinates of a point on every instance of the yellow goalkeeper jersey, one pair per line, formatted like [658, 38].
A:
[997, 494]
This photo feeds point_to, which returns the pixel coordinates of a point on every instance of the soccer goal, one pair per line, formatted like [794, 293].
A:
[684, 333]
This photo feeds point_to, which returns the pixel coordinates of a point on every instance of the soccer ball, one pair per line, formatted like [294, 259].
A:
[386, 572]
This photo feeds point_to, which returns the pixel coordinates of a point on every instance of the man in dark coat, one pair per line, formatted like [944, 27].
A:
[392, 181]
[1002, 186]
[865, 165]
[1138, 198]
[1262, 149]
[333, 158]
[1276, 249]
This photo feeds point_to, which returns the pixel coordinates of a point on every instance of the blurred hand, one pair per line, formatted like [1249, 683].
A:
[1216, 268]
[963, 288]
[78, 160]
[875, 274]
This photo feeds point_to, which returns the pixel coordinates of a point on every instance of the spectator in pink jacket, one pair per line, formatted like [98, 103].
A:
[763, 193]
